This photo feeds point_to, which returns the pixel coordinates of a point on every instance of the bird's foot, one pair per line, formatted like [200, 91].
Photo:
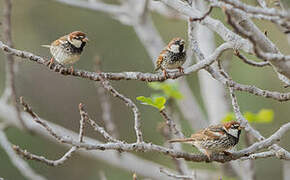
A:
[49, 63]
[181, 70]
[71, 70]
[228, 153]
[165, 74]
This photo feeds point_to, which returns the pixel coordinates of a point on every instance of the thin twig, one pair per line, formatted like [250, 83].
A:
[260, 155]
[204, 16]
[35, 117]
[106, 105]
[96, 127]
[67, 155]
[42, 159]
[20, 164]
[10, 89]
[129, 103]
[82, 122]
[250, 62]
[175, 176]
[170, 123]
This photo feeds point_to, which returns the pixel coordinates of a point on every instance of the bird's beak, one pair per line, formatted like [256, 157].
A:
[85, 40]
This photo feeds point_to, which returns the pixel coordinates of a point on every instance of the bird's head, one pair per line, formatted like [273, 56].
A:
[176, 45]
[233, 128]
[77, 38]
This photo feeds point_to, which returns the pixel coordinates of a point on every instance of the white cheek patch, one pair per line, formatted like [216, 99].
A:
[174, 48]
[76, 43]
[233, 132]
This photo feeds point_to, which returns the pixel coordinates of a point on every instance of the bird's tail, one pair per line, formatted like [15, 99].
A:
[181, 140]
[157, 68]
[47, 46]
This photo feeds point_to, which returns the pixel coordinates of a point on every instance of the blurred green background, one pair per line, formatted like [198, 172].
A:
[56, 98]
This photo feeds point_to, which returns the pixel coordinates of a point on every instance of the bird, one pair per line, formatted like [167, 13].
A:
[172, 56]
[67, 49]
[215, 138]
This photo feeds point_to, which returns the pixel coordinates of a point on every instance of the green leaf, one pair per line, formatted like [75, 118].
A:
[229, 117]
[251, 117]
[160, 102]
[265, 116]
[170, 90]
[155, 85]
[157, 102]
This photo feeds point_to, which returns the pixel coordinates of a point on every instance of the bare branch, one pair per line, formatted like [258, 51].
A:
[250, 62]
[96, 127]
[118, 76]
[212, 24]
[127, 162]
[257, 10]
[170, 123]
[204, 16]
[10, 89]
[264, 143]
[82, 122]
[42, 159]
[175, 176]
[130, 104]
[260, 155]
[28, 109]
[262, 3]
[67, 155]
[20, 164]
[142, 146]
[116, 11]
[105, 105]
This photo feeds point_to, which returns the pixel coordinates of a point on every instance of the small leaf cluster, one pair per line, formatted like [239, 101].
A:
[157, 102]
[263, 116]
[168, 91]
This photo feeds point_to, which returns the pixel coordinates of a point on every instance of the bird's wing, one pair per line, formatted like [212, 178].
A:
[159, 60]
[212, 132]
[59, 41]
[181, 140]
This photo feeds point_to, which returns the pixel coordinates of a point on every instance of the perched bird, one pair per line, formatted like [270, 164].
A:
[67, 49]
[172, 56]
[215, 138]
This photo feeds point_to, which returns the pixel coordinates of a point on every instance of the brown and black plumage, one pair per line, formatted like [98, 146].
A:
[172, 56]
[67, 49]
[215, 138]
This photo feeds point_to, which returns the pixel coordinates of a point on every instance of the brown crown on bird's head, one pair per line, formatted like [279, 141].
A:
[77, 38]
[176, 45]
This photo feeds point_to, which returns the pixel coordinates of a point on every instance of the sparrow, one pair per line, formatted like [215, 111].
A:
[172, 56]
[68, 49]
[215, 138]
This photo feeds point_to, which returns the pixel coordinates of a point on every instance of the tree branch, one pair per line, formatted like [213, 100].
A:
[20, 164]
[10, 89]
